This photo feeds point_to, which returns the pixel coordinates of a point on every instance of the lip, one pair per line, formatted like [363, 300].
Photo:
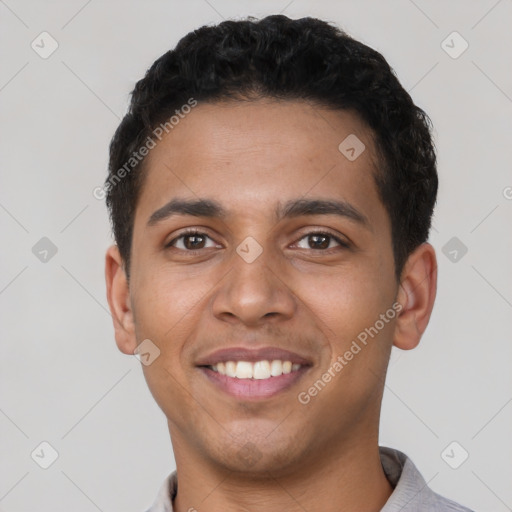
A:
[252, 355]
[254, 389]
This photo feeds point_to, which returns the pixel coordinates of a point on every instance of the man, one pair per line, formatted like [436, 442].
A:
[271, 191]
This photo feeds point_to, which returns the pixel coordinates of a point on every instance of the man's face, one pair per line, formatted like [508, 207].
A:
[253, 280]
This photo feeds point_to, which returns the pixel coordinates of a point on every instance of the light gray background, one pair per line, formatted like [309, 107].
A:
[62, 378]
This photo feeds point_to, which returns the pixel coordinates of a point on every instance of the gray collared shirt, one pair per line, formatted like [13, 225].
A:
[411, 493]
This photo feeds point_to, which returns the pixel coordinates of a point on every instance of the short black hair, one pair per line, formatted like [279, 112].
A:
[284, 59]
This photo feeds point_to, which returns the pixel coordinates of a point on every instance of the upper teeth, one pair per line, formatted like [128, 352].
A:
[257, 370]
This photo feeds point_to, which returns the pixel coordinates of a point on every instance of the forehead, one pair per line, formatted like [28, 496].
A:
[253, 156]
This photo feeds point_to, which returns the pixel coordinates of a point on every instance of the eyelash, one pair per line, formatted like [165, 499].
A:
[193, 231]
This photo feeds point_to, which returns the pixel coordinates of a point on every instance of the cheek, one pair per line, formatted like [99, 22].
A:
[348, 298]
[164, 300]
[165, 306]
[349, 309]
[349, 304]
[168, 306]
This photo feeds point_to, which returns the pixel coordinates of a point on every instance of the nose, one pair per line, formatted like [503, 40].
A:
[252, 293]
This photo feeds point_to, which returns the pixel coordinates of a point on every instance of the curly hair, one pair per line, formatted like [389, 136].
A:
[277, 57]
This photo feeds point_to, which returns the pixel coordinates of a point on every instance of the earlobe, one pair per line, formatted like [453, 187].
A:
[416, 294]
[118, 296]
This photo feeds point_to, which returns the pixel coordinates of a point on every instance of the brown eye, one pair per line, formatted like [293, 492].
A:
[190, 241]
[193, 241]
[322, 241]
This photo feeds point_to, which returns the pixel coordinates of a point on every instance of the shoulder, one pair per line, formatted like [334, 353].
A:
[166, 493]
[411, 491]
[442, 504]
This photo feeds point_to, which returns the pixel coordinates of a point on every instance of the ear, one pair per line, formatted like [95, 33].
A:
[416, 294]
[118, 296]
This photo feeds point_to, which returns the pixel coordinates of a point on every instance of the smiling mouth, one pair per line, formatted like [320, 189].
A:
[254, 380]
[258, 370]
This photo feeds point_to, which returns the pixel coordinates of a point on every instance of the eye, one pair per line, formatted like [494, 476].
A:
[193, 241]
[190, 241]
[321, 240]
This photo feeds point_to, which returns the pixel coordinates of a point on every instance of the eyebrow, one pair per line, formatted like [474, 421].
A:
[293, 208]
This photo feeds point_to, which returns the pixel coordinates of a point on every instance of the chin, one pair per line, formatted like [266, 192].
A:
[257, 458]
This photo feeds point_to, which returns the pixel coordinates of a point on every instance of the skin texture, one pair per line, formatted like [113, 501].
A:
[297, 295]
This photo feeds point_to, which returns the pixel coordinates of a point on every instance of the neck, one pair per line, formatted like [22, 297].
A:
[348, 479]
